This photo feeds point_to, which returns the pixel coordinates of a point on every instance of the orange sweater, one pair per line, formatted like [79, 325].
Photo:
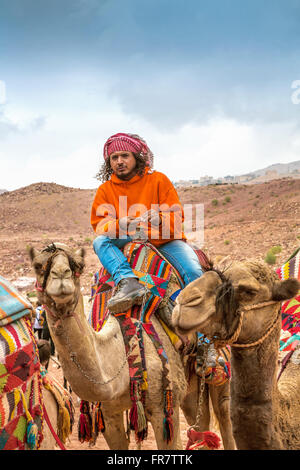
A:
[117, 198]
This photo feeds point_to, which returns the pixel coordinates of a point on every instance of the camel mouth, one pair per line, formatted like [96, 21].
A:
[179, 327]
[62, 298]
[182, 331]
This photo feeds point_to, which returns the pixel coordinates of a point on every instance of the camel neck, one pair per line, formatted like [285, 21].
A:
[253, 392]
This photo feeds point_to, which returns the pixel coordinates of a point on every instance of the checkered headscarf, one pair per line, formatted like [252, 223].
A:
[128, 143]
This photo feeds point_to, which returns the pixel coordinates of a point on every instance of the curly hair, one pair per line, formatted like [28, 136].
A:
[142, 161]
[105, 170]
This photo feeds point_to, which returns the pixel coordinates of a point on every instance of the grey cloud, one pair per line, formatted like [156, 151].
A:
[171, 97]
[8, 127]
[38, 123]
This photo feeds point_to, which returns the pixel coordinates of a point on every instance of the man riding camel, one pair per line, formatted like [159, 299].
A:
[136, 201]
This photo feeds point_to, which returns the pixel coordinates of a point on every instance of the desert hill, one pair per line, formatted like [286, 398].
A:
[239, 220]
[283, 169]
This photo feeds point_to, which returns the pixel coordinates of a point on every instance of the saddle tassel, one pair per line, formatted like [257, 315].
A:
[168, 420]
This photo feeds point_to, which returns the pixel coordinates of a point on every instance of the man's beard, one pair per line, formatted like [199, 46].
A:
[128, 176]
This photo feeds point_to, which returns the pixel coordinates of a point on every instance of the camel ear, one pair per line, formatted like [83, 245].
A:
[80, 253]
[284, 290]
[32, 252]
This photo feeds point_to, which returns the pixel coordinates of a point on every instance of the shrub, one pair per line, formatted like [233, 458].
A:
[215, 202]
[226, 242]
[275, 249]
[31, 294]
[270, 258]
[227, 199]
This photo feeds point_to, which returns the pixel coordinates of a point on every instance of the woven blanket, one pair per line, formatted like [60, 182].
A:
[12, 304]
[21, 403]
[290, 335]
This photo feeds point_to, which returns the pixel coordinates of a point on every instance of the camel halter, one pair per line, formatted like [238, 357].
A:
[232, 340]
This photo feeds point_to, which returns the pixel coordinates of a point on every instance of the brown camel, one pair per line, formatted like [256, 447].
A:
[95, 363]
[242, 307]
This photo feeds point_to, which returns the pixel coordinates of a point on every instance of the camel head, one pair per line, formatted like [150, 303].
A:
[57, 269]
[212, 303]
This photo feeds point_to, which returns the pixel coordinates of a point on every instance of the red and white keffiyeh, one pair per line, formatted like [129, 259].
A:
[128, 143]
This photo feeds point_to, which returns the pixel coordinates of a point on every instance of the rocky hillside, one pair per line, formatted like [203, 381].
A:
[239, 221]
[283, 169]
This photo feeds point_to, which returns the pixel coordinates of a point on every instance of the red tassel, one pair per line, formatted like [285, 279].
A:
[84, 423]
[84, 429]
[168, 429]
[133, 417]
[200, 439]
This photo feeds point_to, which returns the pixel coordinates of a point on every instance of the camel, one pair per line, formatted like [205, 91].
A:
[95, 363]
[242, 307]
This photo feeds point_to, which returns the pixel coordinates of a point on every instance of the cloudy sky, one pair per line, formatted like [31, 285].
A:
[208, 84]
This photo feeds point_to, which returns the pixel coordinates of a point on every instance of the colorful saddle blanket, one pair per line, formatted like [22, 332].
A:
[152, 270]
[290, 337]
[21, 404]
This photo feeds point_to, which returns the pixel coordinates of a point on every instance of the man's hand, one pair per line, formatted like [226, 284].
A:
[124, 222]
[152, 217]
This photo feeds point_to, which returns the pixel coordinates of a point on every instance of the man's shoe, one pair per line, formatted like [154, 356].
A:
[130, 292]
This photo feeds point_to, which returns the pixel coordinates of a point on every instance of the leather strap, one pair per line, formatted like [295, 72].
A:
[58, 441]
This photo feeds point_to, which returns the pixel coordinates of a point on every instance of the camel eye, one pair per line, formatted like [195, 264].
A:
[195, 301]
[250, 291]
[247, 291]
[68, 273]
[37, 266]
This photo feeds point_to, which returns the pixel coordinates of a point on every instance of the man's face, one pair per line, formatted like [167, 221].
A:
[123, 164]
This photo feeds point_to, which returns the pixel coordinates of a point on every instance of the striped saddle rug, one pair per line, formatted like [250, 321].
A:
[21, 402]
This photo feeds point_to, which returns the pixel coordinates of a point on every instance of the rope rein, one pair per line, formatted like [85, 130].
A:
[232, 340]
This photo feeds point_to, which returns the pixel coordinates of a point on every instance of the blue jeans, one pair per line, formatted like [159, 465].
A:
[177, 252]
